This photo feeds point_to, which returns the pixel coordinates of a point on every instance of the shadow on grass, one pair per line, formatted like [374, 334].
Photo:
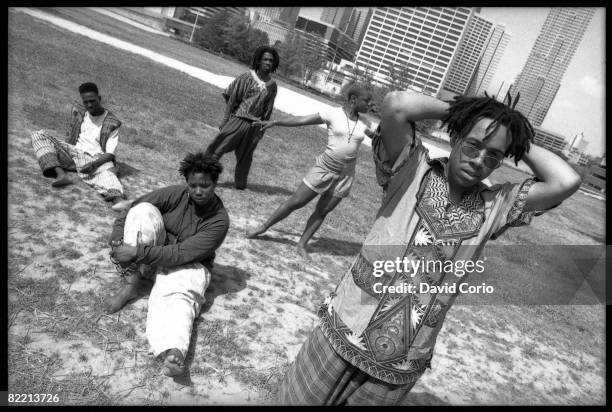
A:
[423, 398]
[596, 237]
[322, 245]
[255, 187]
[224, 279]
[335, 247]
[125, 170]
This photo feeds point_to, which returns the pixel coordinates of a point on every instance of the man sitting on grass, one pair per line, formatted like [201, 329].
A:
[89, 150]
[372, 344]
[177, 230]
[249, 98]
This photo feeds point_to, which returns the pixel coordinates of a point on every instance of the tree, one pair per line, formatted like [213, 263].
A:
[256, 38]
[398, 77]
[313, 59]
[363, 75]
[290, 54]
[209, 36]
[234, 37]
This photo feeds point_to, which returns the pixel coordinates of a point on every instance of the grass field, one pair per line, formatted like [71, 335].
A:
[262, 300]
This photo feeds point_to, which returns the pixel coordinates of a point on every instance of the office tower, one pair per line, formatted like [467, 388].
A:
[419, 42]
[284, 16]
[468, 56]
[358, 22]
[554, 48]
[485, 70]
[277, 22]
[328, 26]
[266, 14]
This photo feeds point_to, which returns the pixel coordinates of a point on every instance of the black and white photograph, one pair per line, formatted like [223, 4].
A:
[349, 205]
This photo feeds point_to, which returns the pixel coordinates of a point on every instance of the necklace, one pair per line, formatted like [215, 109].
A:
[348, 126]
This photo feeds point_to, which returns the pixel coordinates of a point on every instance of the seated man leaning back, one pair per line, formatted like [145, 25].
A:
[89, 149]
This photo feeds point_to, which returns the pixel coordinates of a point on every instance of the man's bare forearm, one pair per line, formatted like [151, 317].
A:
[557, 180]
[294, 121]
[106, 157]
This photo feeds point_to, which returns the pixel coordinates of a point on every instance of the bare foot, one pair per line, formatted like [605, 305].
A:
[303, 253]
[173, 363]
[127, 294]
[255, 232]
[62, 181]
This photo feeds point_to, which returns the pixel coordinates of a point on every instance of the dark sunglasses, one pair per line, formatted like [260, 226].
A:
[472, 151]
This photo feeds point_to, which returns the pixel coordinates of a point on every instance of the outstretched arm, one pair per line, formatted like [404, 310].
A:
[557, 179]
[401, 108]
[291, 121]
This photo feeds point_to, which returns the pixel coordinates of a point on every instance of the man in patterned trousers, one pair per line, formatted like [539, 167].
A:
[89, 149]
[373, 344]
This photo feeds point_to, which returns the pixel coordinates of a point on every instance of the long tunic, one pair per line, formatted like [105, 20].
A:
[250, 98]
[391, 336]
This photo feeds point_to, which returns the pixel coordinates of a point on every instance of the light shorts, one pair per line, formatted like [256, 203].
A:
[322, 180]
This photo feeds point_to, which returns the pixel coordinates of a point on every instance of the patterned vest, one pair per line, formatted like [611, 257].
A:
[110, 123]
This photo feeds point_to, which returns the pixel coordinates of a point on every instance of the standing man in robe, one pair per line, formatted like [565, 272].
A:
[249, 98]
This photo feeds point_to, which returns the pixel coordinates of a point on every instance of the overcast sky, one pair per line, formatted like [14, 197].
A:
[580, 103]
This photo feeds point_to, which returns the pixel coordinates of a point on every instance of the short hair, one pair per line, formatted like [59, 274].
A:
[355, 89]
[464, 112]
[88, 87]
[201, 163]
[258, 54]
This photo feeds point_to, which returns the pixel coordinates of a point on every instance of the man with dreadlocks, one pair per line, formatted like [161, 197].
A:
[249, 97]
[373, 342]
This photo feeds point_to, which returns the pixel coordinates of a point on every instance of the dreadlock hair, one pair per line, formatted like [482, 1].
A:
[201, 163]
[88, 87]
[259, 54]
[464, 112]
[355, 89]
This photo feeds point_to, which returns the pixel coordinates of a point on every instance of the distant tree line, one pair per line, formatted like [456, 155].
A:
[301, 55]
[229, 33]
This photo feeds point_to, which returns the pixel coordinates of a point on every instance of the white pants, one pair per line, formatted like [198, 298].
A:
[178, 292]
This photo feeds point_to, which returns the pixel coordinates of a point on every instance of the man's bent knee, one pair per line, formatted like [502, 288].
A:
[144, 224]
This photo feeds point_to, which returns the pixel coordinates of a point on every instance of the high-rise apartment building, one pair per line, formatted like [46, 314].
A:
[468, 55]
[554, 48]
[420, 42]
[487, 65]
[358, 22]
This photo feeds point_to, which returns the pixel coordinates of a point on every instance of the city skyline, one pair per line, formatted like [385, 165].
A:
[467, 62]
[579, 105]
[540, 78]
[421, 41]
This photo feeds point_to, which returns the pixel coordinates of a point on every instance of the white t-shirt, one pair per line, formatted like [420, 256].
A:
[89, 137]
[339, 129]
